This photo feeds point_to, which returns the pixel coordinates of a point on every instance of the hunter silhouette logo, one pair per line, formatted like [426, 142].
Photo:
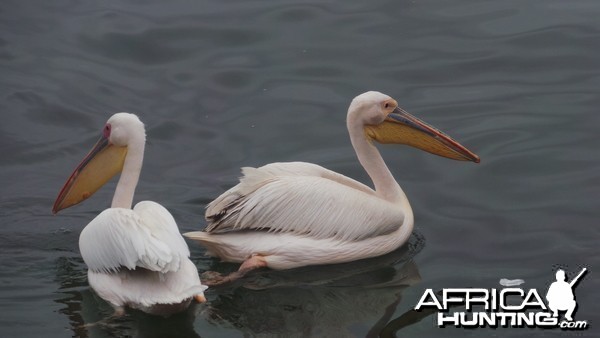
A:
[506, 307]
[560, 295]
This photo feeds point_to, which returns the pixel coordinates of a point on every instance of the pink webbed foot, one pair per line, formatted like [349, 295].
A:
[212, 278]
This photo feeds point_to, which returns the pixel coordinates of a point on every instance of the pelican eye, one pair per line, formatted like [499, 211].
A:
[389, 104]
[106, 130]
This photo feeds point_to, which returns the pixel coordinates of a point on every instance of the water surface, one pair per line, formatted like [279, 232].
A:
[225, 84]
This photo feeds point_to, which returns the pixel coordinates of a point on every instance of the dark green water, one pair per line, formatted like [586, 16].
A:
[225, 84]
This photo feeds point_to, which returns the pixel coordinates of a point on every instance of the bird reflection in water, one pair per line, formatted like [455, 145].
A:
[328, 301]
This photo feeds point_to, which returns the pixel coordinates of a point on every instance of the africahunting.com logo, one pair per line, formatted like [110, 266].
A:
[507, 307]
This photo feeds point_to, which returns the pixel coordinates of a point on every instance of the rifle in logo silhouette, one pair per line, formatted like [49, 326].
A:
[576, 279]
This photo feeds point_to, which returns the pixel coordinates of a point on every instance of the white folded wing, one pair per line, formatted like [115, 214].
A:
[304, 199]
[145, 237]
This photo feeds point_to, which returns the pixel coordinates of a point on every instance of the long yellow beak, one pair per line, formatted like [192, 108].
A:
[401, 127]
[102, 163]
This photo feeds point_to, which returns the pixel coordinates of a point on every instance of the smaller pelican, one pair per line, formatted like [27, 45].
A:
[135, 257]
[287, 215]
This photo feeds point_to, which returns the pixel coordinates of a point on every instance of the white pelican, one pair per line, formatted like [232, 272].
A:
[287, 215]
[135, 257]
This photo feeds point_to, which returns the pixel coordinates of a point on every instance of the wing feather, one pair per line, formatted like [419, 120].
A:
[145, 237]
[303, 199]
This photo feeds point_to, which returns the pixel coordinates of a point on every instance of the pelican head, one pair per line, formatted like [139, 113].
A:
[385, 122]
[121, 132]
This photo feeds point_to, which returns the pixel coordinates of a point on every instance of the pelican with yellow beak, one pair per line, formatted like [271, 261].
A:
[135, 257]
[287, 215]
